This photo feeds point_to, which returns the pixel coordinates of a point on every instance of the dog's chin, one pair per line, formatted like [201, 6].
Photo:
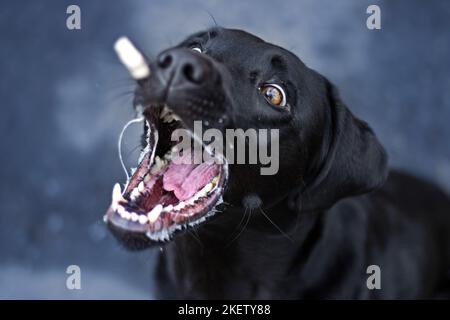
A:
[164, 195]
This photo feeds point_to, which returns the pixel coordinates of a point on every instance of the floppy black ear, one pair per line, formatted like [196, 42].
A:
[355, 162]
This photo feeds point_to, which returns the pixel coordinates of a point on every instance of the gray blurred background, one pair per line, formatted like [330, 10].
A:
[64, 98]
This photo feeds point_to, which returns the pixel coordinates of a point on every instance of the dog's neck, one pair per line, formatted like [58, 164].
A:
[212, 257]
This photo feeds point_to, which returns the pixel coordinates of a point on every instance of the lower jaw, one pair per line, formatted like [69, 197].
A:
[168, 222]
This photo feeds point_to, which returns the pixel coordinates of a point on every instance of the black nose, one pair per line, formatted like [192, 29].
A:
[183, 66]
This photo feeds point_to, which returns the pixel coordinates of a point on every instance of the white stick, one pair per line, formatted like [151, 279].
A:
[132, 59]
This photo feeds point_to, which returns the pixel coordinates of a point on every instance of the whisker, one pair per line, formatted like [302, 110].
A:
[249, 216]
[240, 222]
[275, 225]
[128, 155]
[212, 18]
[119, 144]
[120, 83]
[196, 237]
[122, 94]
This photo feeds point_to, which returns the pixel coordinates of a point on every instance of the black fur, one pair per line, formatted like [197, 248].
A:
[311, 230]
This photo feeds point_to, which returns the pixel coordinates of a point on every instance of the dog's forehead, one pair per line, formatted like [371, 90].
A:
[223, 35]
[237, 37]
[236, 43]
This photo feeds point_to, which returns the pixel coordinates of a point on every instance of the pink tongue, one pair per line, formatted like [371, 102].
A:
[186, 179]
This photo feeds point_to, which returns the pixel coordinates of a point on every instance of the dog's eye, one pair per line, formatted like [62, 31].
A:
[274, 94]
[198, 49]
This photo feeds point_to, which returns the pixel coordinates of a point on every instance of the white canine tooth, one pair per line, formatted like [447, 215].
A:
[116, 193]
[142, 219]
[154, 214]
[141, 187]
[134, 217]
[116, 196]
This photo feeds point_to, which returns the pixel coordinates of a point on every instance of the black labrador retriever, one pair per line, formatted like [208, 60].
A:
[333, 222]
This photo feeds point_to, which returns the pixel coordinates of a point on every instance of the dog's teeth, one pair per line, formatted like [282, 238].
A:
[141, 187]
[142, 219]
[117, 193]
[202, 193]
[127, 215]
[134, 217]
[154, 214]
[179, 206]
[121, 210]
[167, 156]
[147, 178]
[193, 199]
[168, 208]
[215, 180]
[208, 187]
[116, 196]
[159, 163]
[135, 194]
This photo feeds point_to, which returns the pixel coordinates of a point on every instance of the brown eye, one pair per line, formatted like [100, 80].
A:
[274, 94]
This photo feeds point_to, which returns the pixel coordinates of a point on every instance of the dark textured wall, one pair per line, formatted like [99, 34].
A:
[64, 98]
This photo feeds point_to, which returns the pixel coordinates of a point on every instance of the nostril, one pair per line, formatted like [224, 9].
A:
[165, 60]
[193, 74]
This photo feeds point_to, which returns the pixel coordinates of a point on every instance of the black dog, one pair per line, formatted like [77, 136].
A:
[311, 230]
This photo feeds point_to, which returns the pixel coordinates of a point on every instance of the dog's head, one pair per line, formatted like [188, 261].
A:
[313, 148]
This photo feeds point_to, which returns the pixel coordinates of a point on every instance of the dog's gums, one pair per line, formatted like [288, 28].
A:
[165, 193]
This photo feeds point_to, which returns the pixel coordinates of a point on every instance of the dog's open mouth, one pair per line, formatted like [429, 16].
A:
[168, 191]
